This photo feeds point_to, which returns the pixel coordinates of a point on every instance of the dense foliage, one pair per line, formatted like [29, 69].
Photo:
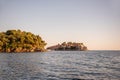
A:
[20, 41]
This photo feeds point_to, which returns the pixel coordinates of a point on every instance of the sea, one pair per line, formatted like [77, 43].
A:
[60, 65]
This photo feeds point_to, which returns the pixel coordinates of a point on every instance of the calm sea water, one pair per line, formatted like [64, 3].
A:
[61, 65]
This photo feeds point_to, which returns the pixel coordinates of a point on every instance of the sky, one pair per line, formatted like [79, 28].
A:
[96, 23]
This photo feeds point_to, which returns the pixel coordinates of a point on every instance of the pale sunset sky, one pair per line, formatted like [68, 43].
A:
[96, 23]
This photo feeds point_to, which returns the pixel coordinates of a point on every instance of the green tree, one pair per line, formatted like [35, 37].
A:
[20, 41]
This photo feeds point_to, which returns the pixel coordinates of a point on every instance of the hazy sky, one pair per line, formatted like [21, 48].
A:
[96, 23]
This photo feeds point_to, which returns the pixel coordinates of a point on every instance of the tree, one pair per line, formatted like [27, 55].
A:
[20, 41]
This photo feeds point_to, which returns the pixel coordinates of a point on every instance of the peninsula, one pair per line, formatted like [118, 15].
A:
[69, 46]
[20, 41]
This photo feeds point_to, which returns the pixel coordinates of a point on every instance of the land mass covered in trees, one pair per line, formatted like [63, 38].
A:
[69, 46]
[20, 41]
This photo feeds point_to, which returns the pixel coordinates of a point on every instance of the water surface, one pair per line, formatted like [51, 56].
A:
[61, 65]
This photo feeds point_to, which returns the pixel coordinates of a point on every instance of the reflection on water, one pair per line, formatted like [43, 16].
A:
[61, 65]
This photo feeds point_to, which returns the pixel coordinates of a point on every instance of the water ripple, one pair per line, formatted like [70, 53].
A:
[61, 65]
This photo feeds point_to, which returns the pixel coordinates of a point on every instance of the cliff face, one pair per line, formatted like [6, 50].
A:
[69, 46]
[20, 41]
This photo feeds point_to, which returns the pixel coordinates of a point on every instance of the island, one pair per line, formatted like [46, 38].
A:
[20, 41]
[68, 46]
